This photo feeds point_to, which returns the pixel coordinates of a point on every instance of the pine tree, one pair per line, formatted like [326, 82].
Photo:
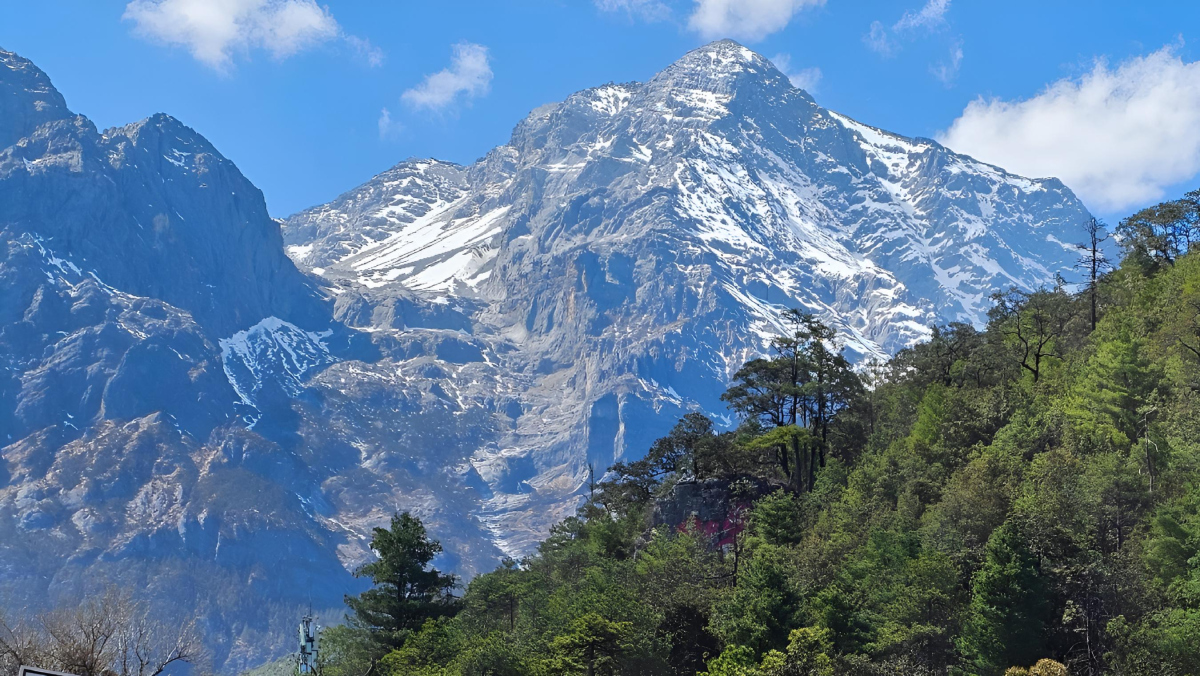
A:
[1009, 606]
[590, 646]
[407, 592]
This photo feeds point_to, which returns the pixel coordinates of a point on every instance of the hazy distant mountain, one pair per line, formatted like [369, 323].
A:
[184, 411]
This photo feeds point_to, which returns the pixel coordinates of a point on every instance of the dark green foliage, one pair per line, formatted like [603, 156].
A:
[1162, 233]
[779, 519]
[406, 592]
[1010, 609]
[589, 646]
[692, 449]
[805, 386]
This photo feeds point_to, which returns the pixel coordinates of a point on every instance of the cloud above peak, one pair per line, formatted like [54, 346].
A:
[804, 78]
[885, 42]
[749, 20]
[647, 10]
[746, 20]
[468, 76]
[929, 16]
[214, 31]
[1118, 137]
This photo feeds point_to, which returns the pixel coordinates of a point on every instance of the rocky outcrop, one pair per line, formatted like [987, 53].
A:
[714, 507]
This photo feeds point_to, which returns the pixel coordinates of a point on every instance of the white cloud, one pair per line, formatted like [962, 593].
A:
[369, 53]
[647, 10]
[932, 14]
[745, 19]
[1118, 137]
[947, 71]
[214, 31]
[878, 39]
[388, 128]
[468, 76]
[805, 78]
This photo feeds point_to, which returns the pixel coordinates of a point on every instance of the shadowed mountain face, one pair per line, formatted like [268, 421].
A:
[184, 411]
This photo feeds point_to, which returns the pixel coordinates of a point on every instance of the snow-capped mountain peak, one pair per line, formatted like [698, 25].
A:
[637, 241]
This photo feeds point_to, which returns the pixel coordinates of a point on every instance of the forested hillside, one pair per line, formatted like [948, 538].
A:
[985, 502]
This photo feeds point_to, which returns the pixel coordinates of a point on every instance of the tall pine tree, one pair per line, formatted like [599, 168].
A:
[407, 591]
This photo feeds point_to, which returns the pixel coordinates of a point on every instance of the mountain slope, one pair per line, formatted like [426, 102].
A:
[880, 233]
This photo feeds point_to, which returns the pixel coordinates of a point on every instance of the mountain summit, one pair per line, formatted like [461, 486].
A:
[631, 246]
[27, 99]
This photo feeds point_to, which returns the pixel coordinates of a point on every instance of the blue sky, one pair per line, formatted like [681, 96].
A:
[1104, 94]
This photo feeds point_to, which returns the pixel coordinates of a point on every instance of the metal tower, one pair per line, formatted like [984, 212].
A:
[310, 637]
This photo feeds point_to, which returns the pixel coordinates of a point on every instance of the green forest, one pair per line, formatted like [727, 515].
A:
[1021, 499]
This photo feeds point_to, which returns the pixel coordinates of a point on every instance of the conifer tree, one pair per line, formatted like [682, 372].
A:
[407, 591]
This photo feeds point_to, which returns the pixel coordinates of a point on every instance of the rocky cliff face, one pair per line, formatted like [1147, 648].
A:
[184, 411]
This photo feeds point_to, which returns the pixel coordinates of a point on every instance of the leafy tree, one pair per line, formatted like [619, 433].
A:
[949, 356]
[807, 654]
[761, 609]
[1162, 233]
[427, 651]
[805, 386]
[778, 518]
[690, 446]
[591, 646]
[1032, 323]
[495, 599]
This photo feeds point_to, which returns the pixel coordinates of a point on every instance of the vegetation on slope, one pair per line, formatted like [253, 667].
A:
[1017, 499]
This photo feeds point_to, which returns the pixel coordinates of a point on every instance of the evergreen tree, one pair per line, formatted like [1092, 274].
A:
[803, 387]
[590, 646]
[1009, 606]
[407, 591]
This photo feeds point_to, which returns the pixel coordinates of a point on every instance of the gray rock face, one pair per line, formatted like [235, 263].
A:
[27, 99]
[184, 411]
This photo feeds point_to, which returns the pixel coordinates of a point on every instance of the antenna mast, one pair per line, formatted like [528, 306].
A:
[310, 637]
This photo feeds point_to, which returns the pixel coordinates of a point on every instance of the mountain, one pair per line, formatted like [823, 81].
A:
[187, 412]
[629, 248]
